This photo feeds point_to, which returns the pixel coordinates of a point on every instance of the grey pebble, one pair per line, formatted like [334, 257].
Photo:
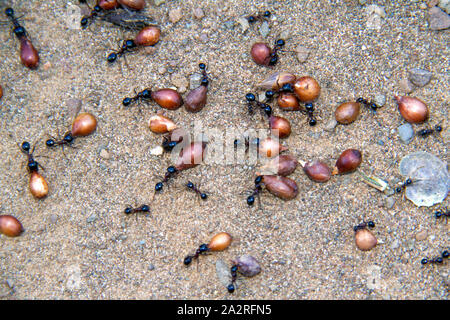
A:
[199, 13]
[395, 244]
[223, 272]
[195, 80]
[158, 2]
[444, 5]
[229, 25]
[420, 77]
[331, 125]
[380, 99]
[406, 85]
[151, 267]
[92, 218]
[244, 24]
[438, 20]
[53, 218]
[406, 133]
[389, 202]
[10, 283]
[264, 29]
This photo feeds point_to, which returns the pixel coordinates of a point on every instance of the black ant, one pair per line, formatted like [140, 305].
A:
[143, 95]
[426, 132]
[205, 80]
[33, 165]
[442, 213]
[192, 187]
[309, 111]
[263, 16]
[89, 19]
[437, 260]
[67, 139]
[373, 106]
[364, 225]
[202, 249]
[168, 144]
[127, 46]
[403, 185]
[274, 54]
[233, 270]
[143, 208]
[171, 172]
[256, 191]
[252, 101]
[18, 30]
[285, 88]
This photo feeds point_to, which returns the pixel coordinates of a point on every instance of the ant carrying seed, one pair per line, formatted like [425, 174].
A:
[28, 54]
[143, 208]
[427, 132]
[309, 111]
[33, 165]
[371, 105]
[127, 46]
[259, 17]
[89, 19]
[403, 185]
[252, 102]
[219, 242]
[144, 95]
[364, 225]
[436, 260]
[192, 187]
[202, 249]
[37, 184]
[170, 173]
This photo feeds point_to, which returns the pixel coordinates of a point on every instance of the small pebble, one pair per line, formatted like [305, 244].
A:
[204, 38]
[229, 25]
[444, 5]
[285, 34]
[389, 202]
[53, 218]
[162, 70]
[195, 80]
[264, 29]
[199, 13]
[406, 86]
[302, 53]
[244, 23]
[105, 154]
[151, 267]
[422, 235]
[380, 99]
[331, 125]
[178, 80]
[423, 6]
[47, 66]
[419, 77]
[439, 20]
[73, 106]
[157, 151]
[395, 244]
[92, 218]
[406, 133]
[158, 2]
[175, 15]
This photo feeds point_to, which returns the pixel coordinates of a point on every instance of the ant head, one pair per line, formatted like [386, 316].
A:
[230, 288]
[309, 107]
[97, 8]
[128, 210]
[371, 224]
[112, 57]
[280, 43]
[145, 208]
[250, 200]
[159, 186]
[269, 94]
[171, 169]
[190, 185]
[250, 97]
[266, 14]
[84, 22]
[438, 128]
[267, 110]
[68, 138]
[187, 261]
[287, 87]
[258, 180]
[50, 143]
[202, 66]
[26, 146]
[126, 102]
[9, 12]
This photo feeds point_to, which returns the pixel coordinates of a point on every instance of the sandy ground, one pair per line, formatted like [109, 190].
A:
[78, 243]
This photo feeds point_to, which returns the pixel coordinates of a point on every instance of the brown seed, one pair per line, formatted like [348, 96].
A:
[84, 124]
[196, 99]
[348, 161]
[10, 226]
[148, 36]
[365, 239]
[260, 53]
[28, 54]
[161, 124]
[282, 165]
[133, 4]
[38, 185]
[280, 127]
[317, 171]
[191, 156]
[108, 4]
[1, 92]
[220, 242]
[276, 80]
[347, 112]
[412, 109]
[307, 89]
[167, 98]
[288, 101]
[281, 187]
[270, 148]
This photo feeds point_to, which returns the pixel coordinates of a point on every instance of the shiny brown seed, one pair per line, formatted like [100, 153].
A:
[347, 112]
[288, 102]
[348, 161]
[167, 98]
[260, 53]
[281, 187]
[28, 54]
[280, 127]
[276, 80]
[10, 226]
[133, 4]
[365, 239]
[307, 89]
[108, 4]
[282, 165]
[412, 109]
[38, 185]
[1, 92]
[317, 171]
[191, 156]
[270, 148]
[196, 99]
[220, 242]
[148, 36]
[161, 124]
[84, 124]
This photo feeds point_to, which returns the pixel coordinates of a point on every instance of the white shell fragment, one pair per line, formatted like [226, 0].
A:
[431, 181]
[223, 273]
